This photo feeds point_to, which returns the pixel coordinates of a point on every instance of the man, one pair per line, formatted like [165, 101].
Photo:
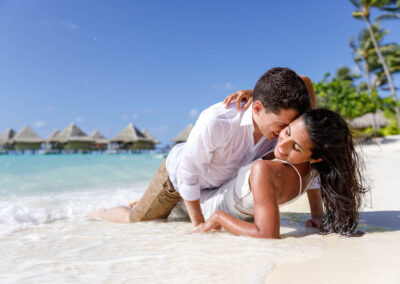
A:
[221, 142]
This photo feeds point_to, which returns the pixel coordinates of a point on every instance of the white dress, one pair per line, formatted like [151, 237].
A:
[235, 197]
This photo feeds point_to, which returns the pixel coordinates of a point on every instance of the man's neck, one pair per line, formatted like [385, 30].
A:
[256, 133]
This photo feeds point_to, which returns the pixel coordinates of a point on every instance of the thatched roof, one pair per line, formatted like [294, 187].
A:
[6, 136]
[184, 135]
[130, 134]
[367, 120]
[52, 136]
[98, 137]
[27, 135]
[149, 136]
[72, 133]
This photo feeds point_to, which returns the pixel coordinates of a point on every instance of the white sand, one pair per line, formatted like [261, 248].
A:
[74, 250]
[373, 258]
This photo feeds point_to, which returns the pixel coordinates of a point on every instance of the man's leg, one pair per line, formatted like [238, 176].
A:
[156, 203]
[116, 215]
[158, 200]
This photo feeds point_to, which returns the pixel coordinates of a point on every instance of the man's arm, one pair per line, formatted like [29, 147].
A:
[206, 136]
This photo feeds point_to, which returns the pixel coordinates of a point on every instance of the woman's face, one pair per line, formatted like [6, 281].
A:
[294, 144]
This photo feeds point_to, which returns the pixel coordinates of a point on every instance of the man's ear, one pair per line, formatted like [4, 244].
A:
[313, 161]
[257, 107]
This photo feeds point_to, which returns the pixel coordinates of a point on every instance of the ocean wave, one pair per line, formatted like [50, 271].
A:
[18, 213]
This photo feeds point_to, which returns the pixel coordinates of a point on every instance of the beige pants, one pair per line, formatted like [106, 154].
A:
[158, 200]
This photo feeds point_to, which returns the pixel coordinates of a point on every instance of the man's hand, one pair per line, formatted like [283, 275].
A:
[239, 96]
[194, 210]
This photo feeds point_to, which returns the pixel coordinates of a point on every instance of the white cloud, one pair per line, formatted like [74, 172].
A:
[62, 24]
[135, 116]
[147, 110]
[193, 112]
[125, 116]
[39, 124]
[67, 25]
[228, 86]
[79, 119]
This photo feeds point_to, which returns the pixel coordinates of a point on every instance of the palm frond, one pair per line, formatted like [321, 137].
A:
[356, 3]
[387, 17]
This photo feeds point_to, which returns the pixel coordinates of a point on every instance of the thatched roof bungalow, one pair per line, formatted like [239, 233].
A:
[52, 144]
[184, 135]
[130, 138]
[27, 139]
[99, 141]
[74, 139]
[148, 135]
[375, 120]
[5, 139]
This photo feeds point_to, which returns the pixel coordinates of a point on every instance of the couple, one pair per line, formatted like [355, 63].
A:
[236, 166]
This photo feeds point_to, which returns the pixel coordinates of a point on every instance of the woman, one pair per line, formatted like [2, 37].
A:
[317, 143]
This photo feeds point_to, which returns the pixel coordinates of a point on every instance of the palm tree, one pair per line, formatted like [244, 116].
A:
[391, 8]
[366, 58]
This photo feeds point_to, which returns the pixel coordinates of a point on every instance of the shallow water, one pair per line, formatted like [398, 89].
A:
[74, 250]
[45, 236]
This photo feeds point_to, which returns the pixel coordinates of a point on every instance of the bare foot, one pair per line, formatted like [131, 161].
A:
[97, 214]
[133, 203]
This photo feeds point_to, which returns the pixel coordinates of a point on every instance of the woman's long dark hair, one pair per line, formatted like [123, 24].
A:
[340, 170]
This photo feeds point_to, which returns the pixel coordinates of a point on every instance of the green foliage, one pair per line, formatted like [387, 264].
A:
[345, 98]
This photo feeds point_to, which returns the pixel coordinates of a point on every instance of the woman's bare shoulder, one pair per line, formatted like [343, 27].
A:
[269, 172]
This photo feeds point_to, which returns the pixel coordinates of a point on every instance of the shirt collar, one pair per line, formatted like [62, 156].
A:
[247, 117]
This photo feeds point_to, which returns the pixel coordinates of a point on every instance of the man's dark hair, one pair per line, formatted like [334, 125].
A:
[282, 88]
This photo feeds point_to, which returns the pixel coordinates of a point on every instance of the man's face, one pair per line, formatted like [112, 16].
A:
[269, 123]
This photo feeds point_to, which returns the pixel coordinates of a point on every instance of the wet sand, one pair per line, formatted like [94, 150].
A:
[372, 258]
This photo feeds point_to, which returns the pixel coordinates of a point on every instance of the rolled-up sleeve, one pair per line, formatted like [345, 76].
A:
[205, 138]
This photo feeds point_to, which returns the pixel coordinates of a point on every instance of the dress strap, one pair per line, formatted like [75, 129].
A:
[297, 171]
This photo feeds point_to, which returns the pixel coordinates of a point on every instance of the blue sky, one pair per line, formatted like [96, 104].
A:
[157, 64]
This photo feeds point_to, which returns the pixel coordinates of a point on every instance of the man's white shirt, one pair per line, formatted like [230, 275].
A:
[220, 143]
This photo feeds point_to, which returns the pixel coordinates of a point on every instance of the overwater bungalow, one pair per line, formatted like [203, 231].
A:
[100, 143]
[130, 138]
[5, 140]
[74, 139]
[148, 135]
[52, 145]
[375, 120]
[26, 139]
[184, 135]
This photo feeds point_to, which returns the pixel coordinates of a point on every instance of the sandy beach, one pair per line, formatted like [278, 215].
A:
[54, 241]
[372, 258]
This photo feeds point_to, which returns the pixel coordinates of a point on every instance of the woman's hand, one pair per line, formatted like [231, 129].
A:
[211, 224]
[313, 222]
[239, 96]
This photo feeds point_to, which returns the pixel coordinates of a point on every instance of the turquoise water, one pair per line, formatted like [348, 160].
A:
[37, 189]
[24, 175]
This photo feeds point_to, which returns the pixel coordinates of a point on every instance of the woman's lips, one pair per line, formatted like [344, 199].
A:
[280, 152]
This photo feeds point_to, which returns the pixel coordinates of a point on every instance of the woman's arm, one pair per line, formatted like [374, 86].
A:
[316, 208]
[266, 209]
[310, 91]
[247, 95]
